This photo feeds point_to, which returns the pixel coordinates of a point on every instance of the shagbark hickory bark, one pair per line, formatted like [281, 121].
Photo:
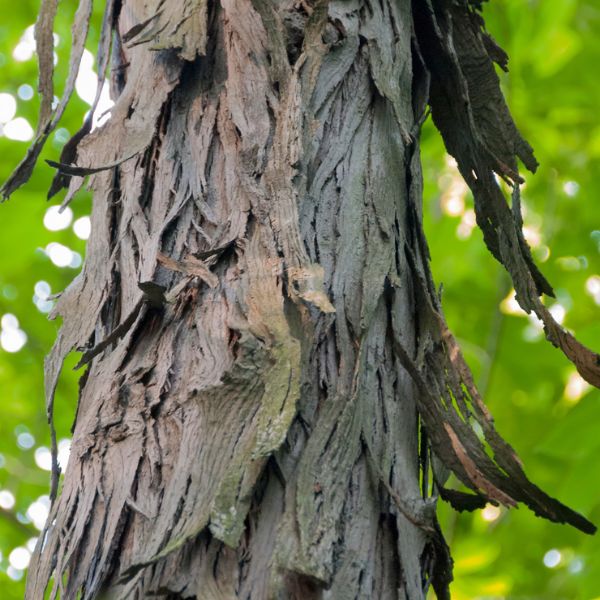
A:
[269, 374]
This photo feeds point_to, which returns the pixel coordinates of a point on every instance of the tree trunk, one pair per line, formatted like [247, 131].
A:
[268, 368]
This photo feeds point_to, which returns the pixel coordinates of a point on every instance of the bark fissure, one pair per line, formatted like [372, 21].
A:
[270, 378]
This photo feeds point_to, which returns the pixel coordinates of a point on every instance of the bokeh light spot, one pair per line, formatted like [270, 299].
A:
[55, 219]
[43, 458]
[14, 574]
[576, 387]
[8, 107]
[64, 451]
[19, 558]
[25, 92]
[12, 339]
[38, 512]
[7, 499]
[25, 441]
[18, 130]
[592, 287]
[571, 188]
[576, 566]
[60, 255]
[42, 289]
[552, 558]
[491, 513]
[82, 228]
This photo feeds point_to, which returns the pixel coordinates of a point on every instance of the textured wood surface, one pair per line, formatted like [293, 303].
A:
[269, 373]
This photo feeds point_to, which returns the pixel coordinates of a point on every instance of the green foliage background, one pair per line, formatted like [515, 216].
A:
[554, 94]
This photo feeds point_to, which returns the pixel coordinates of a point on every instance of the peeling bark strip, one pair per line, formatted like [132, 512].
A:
[469, 110]
[256, 309]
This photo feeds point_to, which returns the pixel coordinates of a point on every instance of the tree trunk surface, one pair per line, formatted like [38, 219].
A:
[269, 374]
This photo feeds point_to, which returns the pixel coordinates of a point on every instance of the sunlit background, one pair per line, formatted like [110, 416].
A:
[541, 405]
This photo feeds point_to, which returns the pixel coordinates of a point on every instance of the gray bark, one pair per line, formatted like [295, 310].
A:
[269, 372]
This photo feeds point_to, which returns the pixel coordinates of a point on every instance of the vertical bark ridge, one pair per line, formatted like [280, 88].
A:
[261, 331]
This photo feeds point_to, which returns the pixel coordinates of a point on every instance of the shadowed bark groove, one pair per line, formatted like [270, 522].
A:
[269, 371]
